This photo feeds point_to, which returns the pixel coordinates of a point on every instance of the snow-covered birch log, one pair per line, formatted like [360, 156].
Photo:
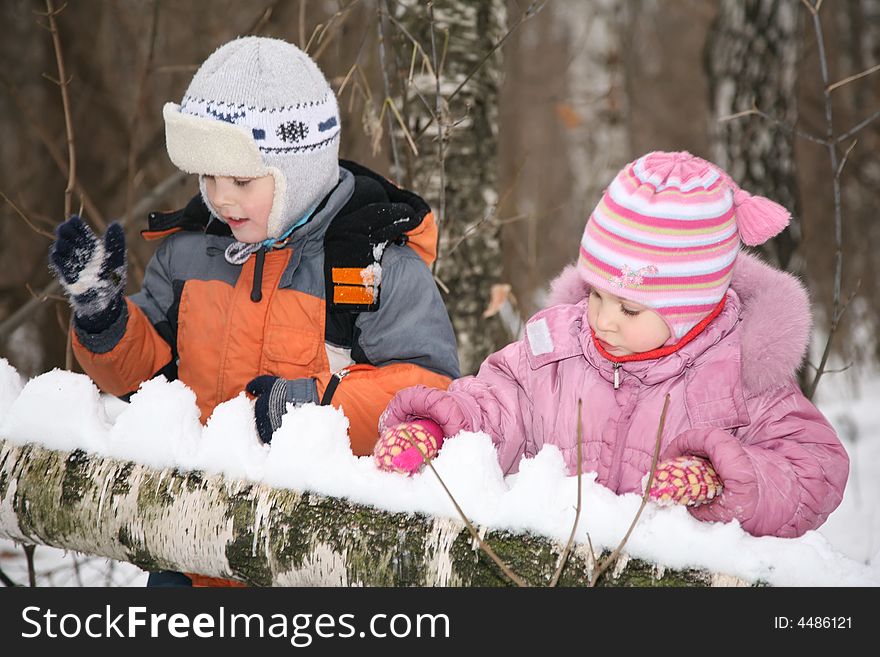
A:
[168, 519]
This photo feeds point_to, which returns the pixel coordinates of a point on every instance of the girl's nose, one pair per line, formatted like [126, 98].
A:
[605, 319]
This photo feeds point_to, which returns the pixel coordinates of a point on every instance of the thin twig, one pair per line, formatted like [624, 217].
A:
[302, 26]
[577, 514]
[36, 229]
[48, 142]
[76, 571]
[530, 12]
[65, 101]
[426, 64]
[44, 297]
[149, 201]
[845, 368]
[779, 123]
[614, 555]
[341, 15]
[857, 127]
[6, 580]
[473, 532]
[261, 20]
[830, 143]
[851, 78]
[68, 346]
[592, 551]
[139, 103]
[810, 7]
[441, 284]
[63, 322]
[441, 145]
[380, 21]
[738, 115]
[826, 352]
[845, 158]
[837, 311]
[406, 133]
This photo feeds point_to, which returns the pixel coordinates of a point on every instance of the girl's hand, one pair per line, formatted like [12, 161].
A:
[688, 480]
[405, 447]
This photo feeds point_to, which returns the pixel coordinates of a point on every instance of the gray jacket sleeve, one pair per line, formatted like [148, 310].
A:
[411, 324]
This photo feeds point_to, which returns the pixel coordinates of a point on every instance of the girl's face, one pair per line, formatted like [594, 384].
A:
[244, 204]
[625, 327]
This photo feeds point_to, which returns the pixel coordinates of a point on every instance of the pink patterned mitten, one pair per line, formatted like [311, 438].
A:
[689, 480]
[400, 448]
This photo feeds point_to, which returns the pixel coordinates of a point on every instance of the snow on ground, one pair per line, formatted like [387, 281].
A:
[310, 451]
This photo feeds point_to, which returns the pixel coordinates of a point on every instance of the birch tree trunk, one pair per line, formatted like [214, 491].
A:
[753, 52]
[190, 522]
[457, 173]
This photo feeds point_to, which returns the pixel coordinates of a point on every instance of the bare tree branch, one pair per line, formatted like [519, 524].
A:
[36, 229]
[148, 202]
[530, 12]
[485, 547]
[857, 127]
[851, 78]
[63, 81]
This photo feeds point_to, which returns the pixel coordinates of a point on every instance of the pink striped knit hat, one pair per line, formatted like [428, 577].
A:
[666, 235]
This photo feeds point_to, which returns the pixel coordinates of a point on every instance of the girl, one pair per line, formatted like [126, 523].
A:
[661, 302]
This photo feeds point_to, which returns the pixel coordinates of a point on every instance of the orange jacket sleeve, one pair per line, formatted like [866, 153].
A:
[365, 391]
[138, 355]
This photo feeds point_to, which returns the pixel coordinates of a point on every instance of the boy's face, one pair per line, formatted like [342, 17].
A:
[624, 327]
[244, 204]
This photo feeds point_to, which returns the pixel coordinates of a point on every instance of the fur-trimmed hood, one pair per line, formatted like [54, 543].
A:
[775, 318]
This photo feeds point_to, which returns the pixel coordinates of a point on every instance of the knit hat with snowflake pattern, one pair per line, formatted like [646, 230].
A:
[666, 234]
[259, 106]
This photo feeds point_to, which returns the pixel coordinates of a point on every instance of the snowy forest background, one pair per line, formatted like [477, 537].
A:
[509, 117]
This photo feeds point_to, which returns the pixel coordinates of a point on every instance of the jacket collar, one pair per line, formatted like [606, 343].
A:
[656, 370]
[774, 312]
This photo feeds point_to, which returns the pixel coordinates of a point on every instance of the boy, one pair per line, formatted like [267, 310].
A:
[293, 275]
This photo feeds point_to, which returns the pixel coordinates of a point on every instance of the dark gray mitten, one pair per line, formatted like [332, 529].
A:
[91, 271]
[273, 394]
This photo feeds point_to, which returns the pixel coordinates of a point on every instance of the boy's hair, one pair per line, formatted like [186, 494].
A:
[667, 232]
[260, 106]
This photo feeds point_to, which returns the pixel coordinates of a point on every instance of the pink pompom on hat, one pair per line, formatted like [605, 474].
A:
[666, 235]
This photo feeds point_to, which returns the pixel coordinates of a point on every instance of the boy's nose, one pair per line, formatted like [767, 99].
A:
[222, 194]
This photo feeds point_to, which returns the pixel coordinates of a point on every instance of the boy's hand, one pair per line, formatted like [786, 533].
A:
[273, 394]
[689, 480]
[405, 447]
[91, 271]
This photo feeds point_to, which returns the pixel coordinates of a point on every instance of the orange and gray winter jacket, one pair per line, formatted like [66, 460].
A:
[347, 300]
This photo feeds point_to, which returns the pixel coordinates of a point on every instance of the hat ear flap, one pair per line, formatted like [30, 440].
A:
[758, 218]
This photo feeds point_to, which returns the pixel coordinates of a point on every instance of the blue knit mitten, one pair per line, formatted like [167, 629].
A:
[273, 394]
[91, 271]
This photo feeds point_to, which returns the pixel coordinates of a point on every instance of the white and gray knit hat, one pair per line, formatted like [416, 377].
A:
[258, 106]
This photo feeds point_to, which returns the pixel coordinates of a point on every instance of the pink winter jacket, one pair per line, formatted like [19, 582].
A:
[733, 400]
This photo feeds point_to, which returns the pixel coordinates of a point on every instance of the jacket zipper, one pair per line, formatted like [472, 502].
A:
[620, 440]
[257, 288]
